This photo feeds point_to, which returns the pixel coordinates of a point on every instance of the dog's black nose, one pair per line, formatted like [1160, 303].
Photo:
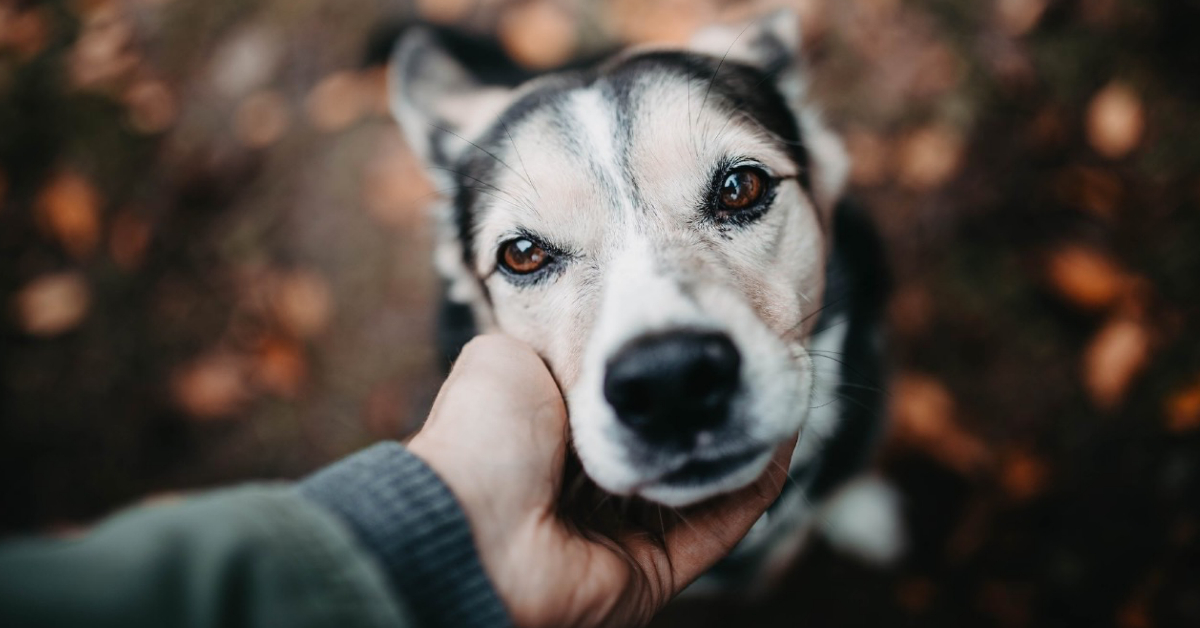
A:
[670, 386]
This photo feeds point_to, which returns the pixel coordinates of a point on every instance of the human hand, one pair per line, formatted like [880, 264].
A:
[497, 435]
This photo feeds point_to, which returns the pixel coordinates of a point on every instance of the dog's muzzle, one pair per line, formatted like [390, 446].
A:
[669, 387]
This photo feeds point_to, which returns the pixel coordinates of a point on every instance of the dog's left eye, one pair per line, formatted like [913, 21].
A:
[741, 188]
[522, 256]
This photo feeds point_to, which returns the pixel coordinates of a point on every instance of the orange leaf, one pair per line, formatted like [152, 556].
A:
[1017, 17]
[395, 188]
[128, 239]
[1085, 277]
[302, 303]
[929, 156]
[27, 32]
[1114, 357]
[538, 34]
[53, 304]
[923, 414]
[211, 387]
[1183, 409]
[338, 101]
[660, 21]
[68, 208]
[262, 119]
[444, 11]
[281, 367]
[1023, 475]
[1115, 120]
[869, 156]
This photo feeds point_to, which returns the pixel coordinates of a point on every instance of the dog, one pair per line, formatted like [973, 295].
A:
[664, 227]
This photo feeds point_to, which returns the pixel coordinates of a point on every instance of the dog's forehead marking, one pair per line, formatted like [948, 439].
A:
[597, 118]
[589, 122]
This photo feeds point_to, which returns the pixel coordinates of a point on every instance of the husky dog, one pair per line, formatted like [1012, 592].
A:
[664, 228]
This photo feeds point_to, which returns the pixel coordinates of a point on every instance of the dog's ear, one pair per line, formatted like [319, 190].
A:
[440, 106]
[772, 44]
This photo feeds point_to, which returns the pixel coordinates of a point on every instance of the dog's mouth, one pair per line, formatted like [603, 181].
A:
[700, 472]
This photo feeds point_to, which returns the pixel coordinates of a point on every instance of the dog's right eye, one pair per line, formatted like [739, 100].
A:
[522, 256]
[742, 188]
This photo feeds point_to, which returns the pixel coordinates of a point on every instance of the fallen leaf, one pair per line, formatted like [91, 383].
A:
[302, 302]
[1115, 120]
[923, 415]
[68, 208]
[1095, 190]
[152, 106]
[869, 157]
[658, 21]
[280, 367]
[24, 31]
[928, 157]
[1117, 353]
[444, 11]
[128, 239]
[212, 387]
[102, 54]
[1183, 409]
[538, 34]
[1085, 277]
[1018, 17]
[337, 101]
[395, 188]
[1023, 475]
[262, 119]
[52, 304]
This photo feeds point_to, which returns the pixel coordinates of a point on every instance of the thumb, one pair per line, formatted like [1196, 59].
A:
[499, 381]
[498, 419]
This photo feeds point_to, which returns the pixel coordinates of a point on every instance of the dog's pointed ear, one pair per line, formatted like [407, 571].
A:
[439, 105]
[441, 108]
[772, 43]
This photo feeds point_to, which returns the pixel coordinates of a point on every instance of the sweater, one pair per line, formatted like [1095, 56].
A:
[376, 539]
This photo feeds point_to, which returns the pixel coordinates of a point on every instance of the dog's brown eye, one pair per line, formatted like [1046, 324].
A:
[742, 188]
[522, 256]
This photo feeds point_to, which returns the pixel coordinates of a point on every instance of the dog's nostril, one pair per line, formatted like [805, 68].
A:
[672, 385]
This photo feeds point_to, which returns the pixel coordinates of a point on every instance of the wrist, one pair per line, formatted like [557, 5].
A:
[405, 515]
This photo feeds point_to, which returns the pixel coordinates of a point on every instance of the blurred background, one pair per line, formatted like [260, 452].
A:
[215, 266]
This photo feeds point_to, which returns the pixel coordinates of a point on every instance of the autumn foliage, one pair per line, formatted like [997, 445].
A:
[215, 265]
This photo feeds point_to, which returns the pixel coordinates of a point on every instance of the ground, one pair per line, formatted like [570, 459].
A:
[216, 267]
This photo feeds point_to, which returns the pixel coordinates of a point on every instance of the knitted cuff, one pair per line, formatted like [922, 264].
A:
[405, 515]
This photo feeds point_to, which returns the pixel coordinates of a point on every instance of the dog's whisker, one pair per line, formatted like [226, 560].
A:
[480, 148]
[717, 71]
[520, 159]
[514, 200]
[816, 353]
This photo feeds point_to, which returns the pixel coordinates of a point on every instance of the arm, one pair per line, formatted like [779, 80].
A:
[255, 556]
[374, 540]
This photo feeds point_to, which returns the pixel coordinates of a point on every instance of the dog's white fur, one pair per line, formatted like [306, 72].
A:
[644, 267]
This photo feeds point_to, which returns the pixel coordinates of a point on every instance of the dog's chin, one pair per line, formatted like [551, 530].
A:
[698, 480]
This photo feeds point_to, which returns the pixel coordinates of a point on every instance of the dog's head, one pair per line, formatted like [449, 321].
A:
[656, 228]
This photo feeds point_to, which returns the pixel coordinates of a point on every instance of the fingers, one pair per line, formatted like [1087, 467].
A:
[499, 378]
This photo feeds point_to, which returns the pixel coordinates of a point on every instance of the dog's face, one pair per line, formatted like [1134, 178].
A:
[656, 228]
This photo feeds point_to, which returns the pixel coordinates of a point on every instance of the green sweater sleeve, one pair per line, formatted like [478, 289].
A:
[254, 556]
